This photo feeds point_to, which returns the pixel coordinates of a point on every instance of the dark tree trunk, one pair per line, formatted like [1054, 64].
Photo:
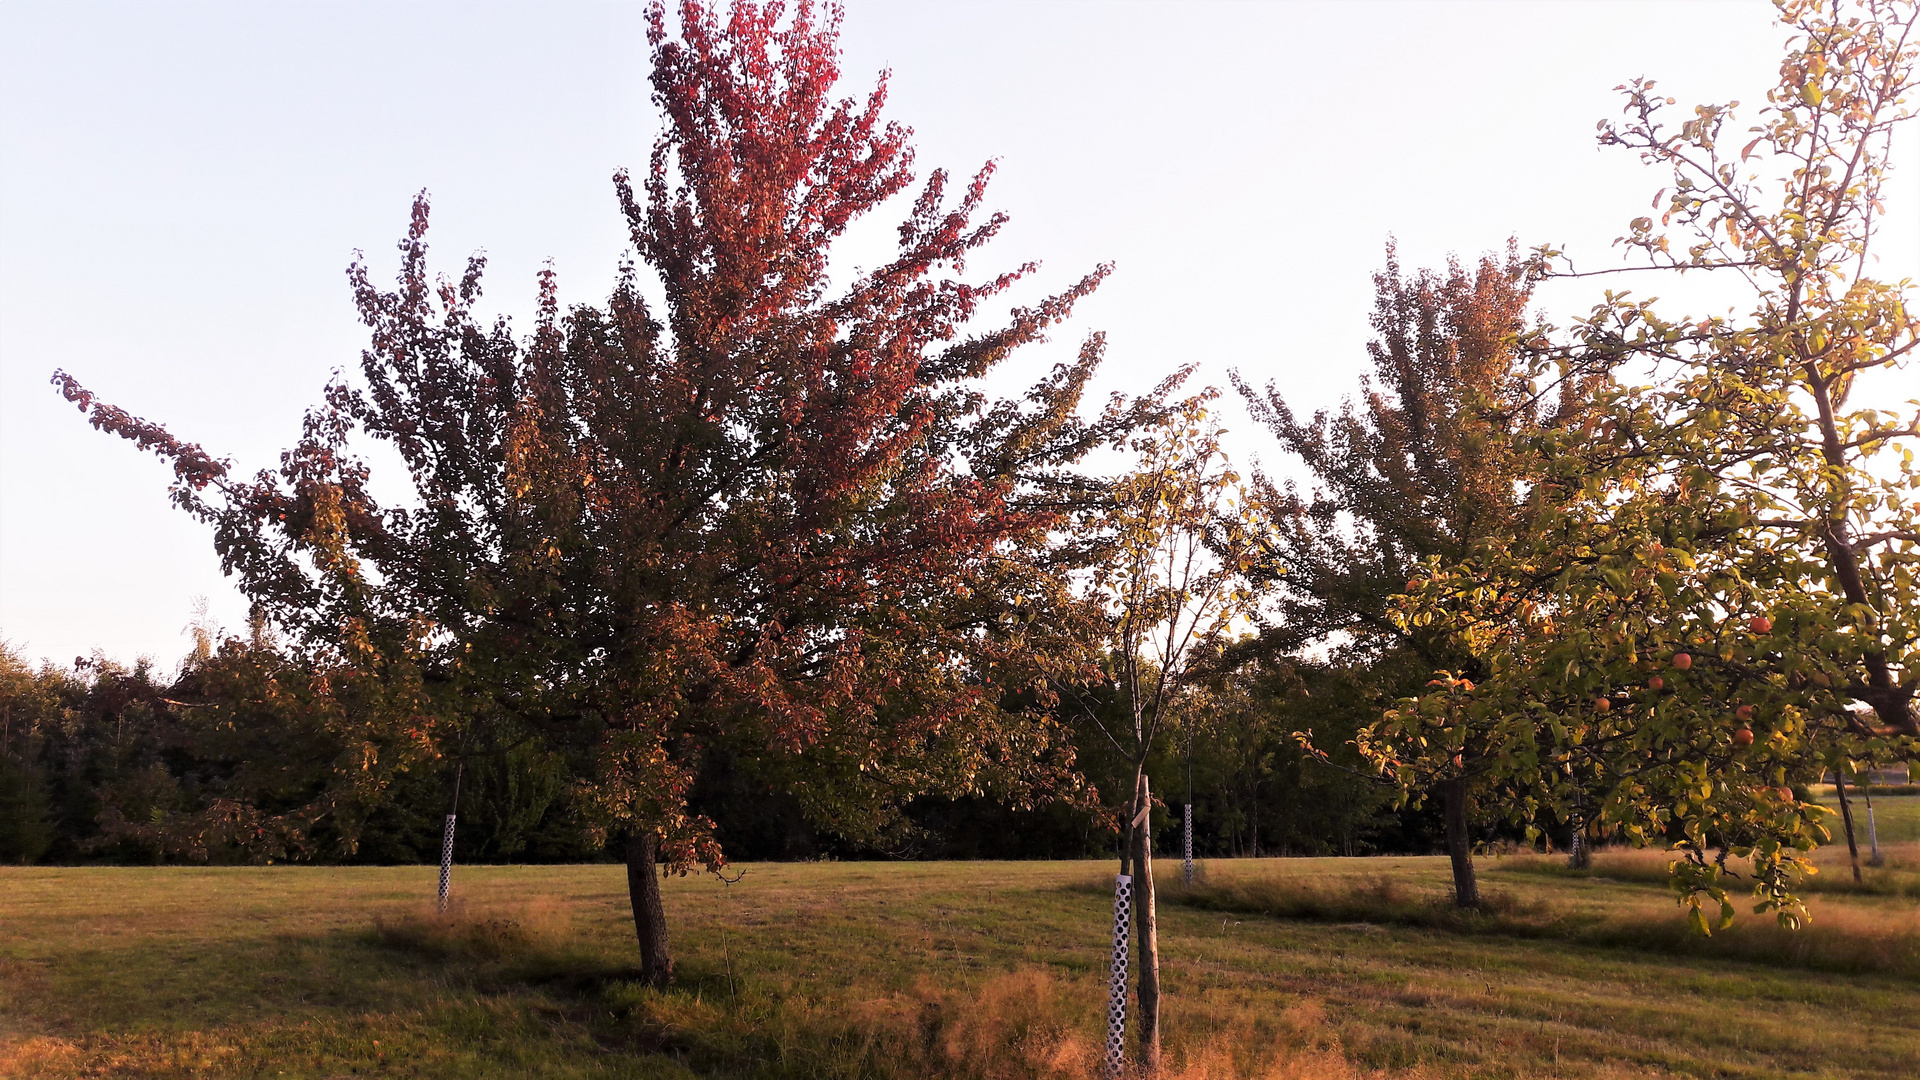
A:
[649, 918]
[1846, 818]
[1146, 933]
[1466, 889]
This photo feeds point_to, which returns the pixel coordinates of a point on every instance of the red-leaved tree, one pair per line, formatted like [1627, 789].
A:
[773, 518]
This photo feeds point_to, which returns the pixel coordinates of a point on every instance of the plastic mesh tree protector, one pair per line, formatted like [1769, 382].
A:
[1186, 845]
[446, 862]
[1117, 976]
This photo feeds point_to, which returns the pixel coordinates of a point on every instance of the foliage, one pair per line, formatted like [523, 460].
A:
[1424, 465]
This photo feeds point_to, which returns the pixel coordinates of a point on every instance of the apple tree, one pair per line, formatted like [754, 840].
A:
[1722, 596]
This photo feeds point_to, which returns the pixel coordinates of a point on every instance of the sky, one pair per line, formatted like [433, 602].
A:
[182, 186]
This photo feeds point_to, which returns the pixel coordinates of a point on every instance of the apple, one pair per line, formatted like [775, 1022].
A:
[1656, 683]
[1744, 712]
[1459, 762]
[1682, 661]
[1761, 624]
[1786, 794]
[1602, 705]
[1743, 737]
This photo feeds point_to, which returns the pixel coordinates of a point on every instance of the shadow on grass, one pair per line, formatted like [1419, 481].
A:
[1024, 1024]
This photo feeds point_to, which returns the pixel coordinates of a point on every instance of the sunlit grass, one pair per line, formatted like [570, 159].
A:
[916, 970]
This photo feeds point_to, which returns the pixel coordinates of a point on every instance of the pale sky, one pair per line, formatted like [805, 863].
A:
[183, 184]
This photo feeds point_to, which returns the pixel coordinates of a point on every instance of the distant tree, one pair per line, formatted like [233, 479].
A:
[774, 520]
[1430, 462]
[29, 700]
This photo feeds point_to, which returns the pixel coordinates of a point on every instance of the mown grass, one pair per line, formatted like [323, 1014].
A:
[909, 970]
[1846, 938]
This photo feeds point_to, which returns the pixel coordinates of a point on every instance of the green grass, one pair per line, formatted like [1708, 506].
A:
[909, 970]
[1897, 816]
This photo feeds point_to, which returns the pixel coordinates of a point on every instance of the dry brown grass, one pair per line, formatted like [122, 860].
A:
[1028, 1024]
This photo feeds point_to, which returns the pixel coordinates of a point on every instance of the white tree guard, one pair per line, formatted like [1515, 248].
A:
[446, 862]
[1873, 834]
[1117, 976]
[1186, 846]
[1579, 841]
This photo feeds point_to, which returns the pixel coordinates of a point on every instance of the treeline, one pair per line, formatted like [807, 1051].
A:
[108, 763]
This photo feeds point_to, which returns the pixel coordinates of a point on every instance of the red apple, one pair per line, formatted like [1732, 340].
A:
[1682, 661]
[1656, 683]
[1743, 737]
[1601, 705]
[1744, 712]
[1761, 624]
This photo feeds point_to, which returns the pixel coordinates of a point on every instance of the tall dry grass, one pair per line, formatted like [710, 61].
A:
[1028, 1024]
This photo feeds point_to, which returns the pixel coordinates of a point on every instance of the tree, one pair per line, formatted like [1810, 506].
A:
[774, 521]
[1723, 603]
[1429, 464]
[1172, 582]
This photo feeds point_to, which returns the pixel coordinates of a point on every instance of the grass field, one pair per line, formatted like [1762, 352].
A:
[1898, 817]
[950, 969]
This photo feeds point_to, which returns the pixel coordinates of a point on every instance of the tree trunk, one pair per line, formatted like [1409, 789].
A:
[1253, 818]
[1466, 890]
[1846, 818]
[1146, 933]
[649, 918]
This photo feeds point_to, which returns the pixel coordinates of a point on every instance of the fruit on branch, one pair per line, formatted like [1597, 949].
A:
[1682, 661]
